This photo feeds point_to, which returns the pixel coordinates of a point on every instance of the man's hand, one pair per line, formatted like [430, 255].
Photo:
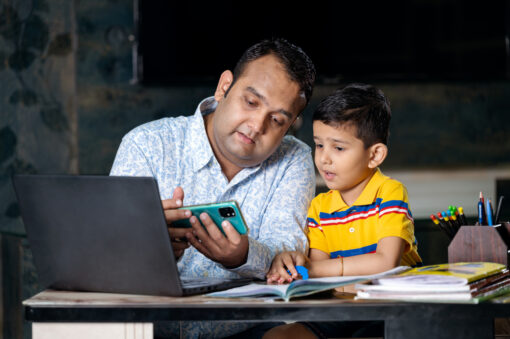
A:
[231, 250]
[172, 213]
[283, 262]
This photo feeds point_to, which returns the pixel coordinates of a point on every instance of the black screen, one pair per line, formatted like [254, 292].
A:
[181, 42]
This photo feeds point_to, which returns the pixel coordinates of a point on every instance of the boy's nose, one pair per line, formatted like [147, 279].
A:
[325, 158]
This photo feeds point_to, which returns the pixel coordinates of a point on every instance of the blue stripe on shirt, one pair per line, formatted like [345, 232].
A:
[353, 252]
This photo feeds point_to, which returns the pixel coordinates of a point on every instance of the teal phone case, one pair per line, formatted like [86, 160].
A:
[215, 212]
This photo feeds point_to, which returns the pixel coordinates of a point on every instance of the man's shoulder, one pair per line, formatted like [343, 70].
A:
[291, 145]
[161, 127]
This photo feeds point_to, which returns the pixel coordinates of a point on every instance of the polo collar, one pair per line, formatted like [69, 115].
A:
[197, 137]
[366, 197]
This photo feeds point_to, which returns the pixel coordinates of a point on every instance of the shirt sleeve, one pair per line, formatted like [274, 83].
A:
[283, 224]
[131, 159]
[395, 218]
[315, 234]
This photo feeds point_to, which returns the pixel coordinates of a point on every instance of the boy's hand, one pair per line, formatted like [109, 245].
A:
[283, 262]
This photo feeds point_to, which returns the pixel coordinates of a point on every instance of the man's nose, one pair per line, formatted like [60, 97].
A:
[257, 123]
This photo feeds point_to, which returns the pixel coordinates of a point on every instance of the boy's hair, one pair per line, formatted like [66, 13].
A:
[363, 106]
[298, 65]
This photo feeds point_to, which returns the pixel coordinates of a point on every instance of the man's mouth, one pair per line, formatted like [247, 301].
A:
[244, 138]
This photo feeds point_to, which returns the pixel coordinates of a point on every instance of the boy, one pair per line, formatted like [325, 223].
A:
[363, 225]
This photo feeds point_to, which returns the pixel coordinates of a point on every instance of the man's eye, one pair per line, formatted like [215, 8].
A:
[250, 103]
[277, 121]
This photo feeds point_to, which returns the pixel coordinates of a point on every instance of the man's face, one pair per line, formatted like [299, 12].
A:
[251, 121]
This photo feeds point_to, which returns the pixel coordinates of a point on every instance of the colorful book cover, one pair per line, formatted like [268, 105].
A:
[469, 270]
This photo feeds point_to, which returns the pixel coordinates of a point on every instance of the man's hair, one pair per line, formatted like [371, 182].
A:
[363, 106]
[298, 65]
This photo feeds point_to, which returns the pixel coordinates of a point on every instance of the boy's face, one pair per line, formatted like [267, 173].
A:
[341, 158]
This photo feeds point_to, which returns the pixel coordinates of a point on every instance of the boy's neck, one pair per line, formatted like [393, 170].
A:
[352, 194]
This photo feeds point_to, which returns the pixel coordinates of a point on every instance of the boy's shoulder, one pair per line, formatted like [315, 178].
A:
[389, 186]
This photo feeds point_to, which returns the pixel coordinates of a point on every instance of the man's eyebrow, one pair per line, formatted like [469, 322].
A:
[264, 100]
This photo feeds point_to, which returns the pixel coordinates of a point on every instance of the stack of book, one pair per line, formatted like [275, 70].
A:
[466, 282]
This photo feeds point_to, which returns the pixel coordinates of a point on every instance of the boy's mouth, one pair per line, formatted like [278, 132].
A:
[328, 175]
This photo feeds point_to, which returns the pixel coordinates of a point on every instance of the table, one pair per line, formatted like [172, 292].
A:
[62, 314]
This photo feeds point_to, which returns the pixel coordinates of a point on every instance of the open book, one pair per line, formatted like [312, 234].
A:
[468, 282]
[299, 288]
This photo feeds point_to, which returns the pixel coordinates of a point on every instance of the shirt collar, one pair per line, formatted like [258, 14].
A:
[197, 138]
[367, 196]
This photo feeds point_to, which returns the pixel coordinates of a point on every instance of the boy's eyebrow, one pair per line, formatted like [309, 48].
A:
[334, 140]
[264, 100]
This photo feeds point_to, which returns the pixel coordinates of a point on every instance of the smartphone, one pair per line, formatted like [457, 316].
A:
[228, 210]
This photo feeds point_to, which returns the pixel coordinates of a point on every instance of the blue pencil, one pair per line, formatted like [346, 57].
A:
[489, 212]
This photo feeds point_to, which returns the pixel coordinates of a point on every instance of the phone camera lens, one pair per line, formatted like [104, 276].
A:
[227, 212]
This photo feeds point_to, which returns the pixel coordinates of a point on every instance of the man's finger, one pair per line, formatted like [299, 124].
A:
[178, 193]
[171, 204]
[231, 233]
[198, 245]
[178, 233]
[180, 245]
[205, 239]
[175, 201]
[173, 215]
[212, 229]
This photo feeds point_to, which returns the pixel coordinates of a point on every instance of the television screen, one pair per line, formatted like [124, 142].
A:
[193, 42]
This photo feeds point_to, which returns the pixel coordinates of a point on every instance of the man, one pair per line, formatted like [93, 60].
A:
[234, 148]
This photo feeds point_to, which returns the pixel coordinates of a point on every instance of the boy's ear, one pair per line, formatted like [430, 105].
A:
[224, 84]
[378, 153]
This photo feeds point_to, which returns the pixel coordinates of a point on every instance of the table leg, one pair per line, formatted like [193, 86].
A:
[92, 330]
[446, 327]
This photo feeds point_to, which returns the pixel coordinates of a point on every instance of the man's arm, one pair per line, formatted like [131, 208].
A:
[283, 222]
[132, 161]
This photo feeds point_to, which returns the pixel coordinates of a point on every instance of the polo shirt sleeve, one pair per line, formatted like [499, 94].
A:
[132, 158]
[316, 236]
[284, 219]
[395, 218]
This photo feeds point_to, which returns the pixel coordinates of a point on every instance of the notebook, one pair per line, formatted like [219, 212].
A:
[103, 234]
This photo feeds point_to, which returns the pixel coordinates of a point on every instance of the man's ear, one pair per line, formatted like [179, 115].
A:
[224, 84]
[378, 153]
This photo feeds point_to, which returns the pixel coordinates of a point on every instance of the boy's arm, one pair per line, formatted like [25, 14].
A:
[387, 256]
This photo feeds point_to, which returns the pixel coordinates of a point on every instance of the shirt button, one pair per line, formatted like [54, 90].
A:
[351, 229]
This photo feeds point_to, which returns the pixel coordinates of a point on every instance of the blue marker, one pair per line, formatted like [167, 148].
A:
[302, 271]
[489, 212]
[480, 213]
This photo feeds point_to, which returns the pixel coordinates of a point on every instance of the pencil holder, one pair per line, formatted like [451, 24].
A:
[481, 243]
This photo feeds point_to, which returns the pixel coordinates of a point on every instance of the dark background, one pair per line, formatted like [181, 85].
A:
[71, 87]
[347, 40]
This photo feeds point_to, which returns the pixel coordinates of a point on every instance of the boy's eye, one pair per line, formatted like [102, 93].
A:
[339, 148]
[318, 145]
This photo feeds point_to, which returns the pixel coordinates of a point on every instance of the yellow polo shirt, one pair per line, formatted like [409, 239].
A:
[381, 210]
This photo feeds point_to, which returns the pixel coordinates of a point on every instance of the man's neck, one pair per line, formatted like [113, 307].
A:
[229, 169]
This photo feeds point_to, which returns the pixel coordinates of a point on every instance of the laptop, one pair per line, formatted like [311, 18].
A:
[103, 234]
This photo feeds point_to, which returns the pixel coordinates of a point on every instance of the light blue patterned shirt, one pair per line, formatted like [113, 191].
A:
[273, 196]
